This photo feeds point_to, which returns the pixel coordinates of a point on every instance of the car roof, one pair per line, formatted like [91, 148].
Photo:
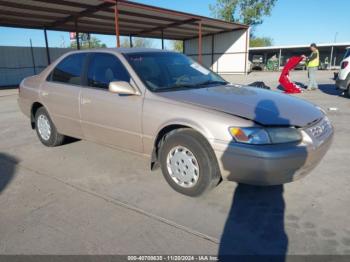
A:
[122, 50]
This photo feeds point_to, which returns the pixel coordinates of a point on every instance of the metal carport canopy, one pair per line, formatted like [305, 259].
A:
[109, 17]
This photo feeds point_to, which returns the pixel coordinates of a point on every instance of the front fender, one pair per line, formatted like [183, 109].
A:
[188, 123]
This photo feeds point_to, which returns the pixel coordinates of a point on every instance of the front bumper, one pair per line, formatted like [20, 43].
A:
[270, 164]
[342, 84]
[24, 105]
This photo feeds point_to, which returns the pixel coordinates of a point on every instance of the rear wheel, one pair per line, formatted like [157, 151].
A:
[188, 162]
[46, 130]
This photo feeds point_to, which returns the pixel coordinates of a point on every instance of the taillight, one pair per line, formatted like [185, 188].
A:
[344, 64]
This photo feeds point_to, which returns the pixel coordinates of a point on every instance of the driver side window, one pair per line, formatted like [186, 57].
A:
[105, 68]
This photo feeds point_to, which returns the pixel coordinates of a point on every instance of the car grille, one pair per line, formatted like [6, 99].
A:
[321, 130]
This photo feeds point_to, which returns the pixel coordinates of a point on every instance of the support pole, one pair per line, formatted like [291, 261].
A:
[247, 35]
[32, 53]
[330, 60]
[200, 42]
[116, 22]
[130, 40]
[47, 48]
[183, 47]
[279, 59]
[77, 34]
[212, 52]
[162, 39]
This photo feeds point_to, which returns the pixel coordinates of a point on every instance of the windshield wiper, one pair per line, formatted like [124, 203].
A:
[176, 87]
[185, 86]
[212, 82]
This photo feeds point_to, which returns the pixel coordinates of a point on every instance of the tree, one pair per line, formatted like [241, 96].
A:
[260, 41]
[177, 45]
[249, 12]
[125, 43]
[224, 9]
[137, 42]
[142, 42]
[86, 44]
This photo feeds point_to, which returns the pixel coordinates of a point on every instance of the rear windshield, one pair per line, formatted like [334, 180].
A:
[347, 54]
[167, 71]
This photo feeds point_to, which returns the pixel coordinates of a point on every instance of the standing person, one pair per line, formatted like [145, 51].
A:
[313, 62]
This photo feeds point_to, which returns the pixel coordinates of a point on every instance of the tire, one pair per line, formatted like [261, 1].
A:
[198, 156]
[51, 138]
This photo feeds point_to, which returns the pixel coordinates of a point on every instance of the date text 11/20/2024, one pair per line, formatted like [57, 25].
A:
[173, 258]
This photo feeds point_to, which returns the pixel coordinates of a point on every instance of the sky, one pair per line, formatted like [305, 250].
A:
[291, 22]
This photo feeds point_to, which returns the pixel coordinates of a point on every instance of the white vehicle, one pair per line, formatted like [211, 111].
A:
[343, 80]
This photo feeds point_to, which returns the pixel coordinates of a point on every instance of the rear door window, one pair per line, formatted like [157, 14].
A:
[105, 68]
[69, 70]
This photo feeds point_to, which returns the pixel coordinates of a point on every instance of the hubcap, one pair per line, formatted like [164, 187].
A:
[44, 127]
[183, 166]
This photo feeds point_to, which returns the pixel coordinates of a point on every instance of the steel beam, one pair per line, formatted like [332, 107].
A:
[85, 12]
[167, 26]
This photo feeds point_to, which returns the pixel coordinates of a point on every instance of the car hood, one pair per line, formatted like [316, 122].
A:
[265, 107]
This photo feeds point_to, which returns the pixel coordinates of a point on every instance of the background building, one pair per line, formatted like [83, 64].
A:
[225, 53]
[329, 53]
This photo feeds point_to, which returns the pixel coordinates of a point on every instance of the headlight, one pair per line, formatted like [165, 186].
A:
[280, 135]
[250, 135]
[260, 136]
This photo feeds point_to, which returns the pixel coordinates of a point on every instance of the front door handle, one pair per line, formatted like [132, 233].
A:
[44, 93]
[85, 101]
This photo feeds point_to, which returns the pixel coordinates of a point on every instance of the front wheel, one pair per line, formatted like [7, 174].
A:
[46, 130]
[188, 162]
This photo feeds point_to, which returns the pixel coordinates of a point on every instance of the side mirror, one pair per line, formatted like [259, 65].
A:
[122, 88]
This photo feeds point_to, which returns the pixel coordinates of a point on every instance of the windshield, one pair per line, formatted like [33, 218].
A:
[165, 71]
[347, 54]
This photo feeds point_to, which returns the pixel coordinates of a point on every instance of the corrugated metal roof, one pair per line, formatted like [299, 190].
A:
[97, 16]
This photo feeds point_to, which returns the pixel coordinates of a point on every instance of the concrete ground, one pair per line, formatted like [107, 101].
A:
[83, 198]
